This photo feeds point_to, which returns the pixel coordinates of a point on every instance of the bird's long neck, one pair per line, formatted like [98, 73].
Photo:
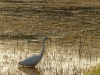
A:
[43, 47]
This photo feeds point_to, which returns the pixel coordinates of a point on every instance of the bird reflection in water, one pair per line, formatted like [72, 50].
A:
[30, 70]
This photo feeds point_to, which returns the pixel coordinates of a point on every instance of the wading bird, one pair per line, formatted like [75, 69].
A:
[34, 60]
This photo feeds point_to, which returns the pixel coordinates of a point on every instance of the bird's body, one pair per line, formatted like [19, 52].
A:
[31, 61]
[34, 60]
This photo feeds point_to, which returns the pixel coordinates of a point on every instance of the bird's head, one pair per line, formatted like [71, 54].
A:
[46, 38]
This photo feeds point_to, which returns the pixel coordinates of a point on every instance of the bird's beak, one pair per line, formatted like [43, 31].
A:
[49, 39]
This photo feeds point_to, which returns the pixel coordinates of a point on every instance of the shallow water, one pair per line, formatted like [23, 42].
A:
[72, 26]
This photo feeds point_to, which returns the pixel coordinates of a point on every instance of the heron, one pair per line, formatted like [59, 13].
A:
[34, 60]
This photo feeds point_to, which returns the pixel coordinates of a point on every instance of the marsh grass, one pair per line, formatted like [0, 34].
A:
[57, 60]
[93, 71]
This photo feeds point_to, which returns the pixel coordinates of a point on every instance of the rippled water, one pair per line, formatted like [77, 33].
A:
[72, 26]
